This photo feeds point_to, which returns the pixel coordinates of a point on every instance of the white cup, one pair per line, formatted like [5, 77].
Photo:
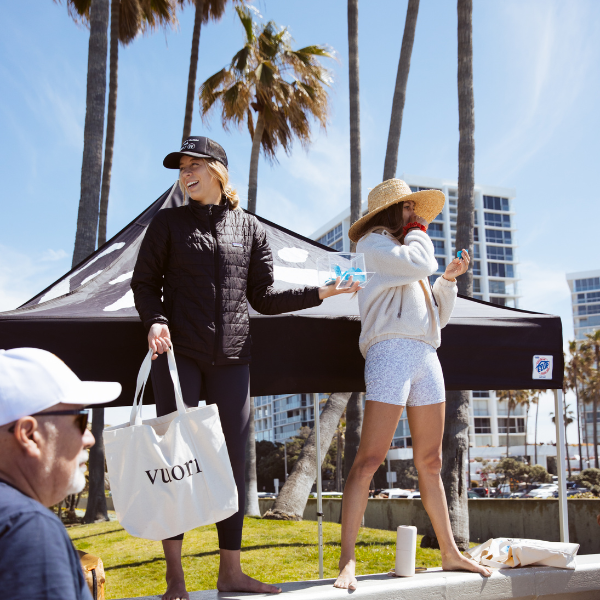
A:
[406, 550]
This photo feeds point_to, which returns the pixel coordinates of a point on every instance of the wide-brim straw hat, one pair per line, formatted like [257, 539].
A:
[428, 203]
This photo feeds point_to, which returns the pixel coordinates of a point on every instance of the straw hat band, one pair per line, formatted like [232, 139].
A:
[428, 203]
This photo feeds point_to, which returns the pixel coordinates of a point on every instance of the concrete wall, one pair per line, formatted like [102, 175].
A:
[533, 519]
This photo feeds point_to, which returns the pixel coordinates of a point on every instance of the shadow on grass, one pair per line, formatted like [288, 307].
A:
[84, 537]
[244, 549]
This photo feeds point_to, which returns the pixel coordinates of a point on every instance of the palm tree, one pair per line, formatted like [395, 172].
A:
[569, 417]
[252, 507]
[204, 11]
[577, 370]
[93, 132]
[513, 398]
[455, 442]
[354, 419]
[594, 344]
[256, 81]
[292, 498]
[354, 89]
[408, 38]
[535, 399]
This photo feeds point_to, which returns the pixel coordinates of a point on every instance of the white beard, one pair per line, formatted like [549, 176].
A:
[77, 482]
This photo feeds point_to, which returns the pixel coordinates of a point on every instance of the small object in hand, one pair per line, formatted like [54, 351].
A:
[459, 254]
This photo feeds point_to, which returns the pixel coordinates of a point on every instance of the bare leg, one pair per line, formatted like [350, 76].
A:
[378, 429]
[232, 579]
[175, 577]
[427, 428]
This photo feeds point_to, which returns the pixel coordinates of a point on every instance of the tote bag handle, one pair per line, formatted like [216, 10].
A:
[142, 378]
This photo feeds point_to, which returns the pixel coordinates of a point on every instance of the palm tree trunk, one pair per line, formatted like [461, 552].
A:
[252, 507]
[455, 449]
[578, 425]
[96, 509]
[93, 133]
[354, 419]
[526, 424]
[338, 461]
[466, 144]
[408, 38]
[253, 179]
[291, 502]
[595, 431]
[111, 115]
[566, 440]
[354, 84]
[189, 103]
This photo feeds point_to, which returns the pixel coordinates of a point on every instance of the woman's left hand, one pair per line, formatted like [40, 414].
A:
[332, 290]
[457, 267]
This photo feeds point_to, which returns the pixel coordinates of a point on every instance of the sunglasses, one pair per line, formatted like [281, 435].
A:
[81, 417]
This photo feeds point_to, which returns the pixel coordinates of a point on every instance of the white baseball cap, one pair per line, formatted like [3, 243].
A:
[32, 380]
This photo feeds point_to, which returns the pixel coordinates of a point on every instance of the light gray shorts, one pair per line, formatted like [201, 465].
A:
[404, 372]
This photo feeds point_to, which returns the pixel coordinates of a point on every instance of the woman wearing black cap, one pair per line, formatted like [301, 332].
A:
[197, 267]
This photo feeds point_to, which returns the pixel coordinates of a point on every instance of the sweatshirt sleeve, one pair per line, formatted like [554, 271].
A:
[260, 292]
[445, 293]
[399, 264]
[149, 270]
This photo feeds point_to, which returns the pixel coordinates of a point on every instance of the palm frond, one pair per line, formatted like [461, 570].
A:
[241, 59]
[245, 17]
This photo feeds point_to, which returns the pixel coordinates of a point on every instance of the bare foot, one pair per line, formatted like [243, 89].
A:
[176, 589]
[240, 582]
[458, 562]
[347, 579]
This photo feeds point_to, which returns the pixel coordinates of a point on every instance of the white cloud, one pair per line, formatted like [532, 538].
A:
[52, 255]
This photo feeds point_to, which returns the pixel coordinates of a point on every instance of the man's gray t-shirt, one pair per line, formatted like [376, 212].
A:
[37, 558]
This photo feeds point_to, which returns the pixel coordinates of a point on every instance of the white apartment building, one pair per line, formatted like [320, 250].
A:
[495, 280]
[585, 300]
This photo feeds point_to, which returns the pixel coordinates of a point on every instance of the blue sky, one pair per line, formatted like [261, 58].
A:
[536, 99]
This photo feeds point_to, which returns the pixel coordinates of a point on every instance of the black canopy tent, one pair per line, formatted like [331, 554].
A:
[88, 319]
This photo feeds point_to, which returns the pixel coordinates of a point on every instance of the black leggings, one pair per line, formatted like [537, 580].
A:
[229, 388]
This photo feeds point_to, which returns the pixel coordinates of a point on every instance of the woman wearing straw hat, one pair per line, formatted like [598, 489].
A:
[401, 319]
[198, 267]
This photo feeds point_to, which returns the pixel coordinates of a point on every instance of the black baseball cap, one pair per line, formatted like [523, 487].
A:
[201, 147]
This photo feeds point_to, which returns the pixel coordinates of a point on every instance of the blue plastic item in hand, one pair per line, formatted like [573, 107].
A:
[459, 254]
[356, 274]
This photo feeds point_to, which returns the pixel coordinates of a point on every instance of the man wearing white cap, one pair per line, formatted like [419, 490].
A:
[43, 450]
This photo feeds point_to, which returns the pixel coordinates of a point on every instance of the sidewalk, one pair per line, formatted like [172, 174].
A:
[529, 583]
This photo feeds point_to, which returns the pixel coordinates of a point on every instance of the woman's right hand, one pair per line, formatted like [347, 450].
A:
[159, 339]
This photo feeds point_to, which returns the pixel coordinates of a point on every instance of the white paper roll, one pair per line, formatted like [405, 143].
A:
[406, 550]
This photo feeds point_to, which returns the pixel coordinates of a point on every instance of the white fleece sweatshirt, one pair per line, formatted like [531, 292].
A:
[397, 302]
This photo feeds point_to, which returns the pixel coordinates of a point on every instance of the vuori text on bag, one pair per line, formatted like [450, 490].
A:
[190, 471]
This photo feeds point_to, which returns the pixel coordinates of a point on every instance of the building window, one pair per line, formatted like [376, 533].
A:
[497, 287]
[483, 426]
[483, 440]
[499, 270]
[495, 203]
[435, 230]
[516, 425]
[477, 297]
[480, 408]
[432, 279]
[476, 252]
[495, 236]
[481, 393]
[477, 285]
[499, 253]
[590, 309]
[476, 267]
[441, 264]
[475, 234]
[589, 297]
[439, 246]
[590, 322]
[332, 237]
[497, 220]
[498, 300]
[583, 285]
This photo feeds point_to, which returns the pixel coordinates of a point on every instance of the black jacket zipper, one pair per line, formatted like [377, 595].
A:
[218, 315]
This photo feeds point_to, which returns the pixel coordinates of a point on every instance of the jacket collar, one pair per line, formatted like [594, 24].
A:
[203, 211]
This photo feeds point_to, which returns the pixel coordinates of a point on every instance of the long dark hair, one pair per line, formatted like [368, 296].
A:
[391, 219]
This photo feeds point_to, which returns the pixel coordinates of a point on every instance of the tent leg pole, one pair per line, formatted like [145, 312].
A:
[319, 483]
[560, 464]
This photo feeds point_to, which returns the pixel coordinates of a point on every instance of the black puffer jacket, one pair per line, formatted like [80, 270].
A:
[205, 261]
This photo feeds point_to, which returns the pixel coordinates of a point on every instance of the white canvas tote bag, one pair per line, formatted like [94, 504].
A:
[506, 553]
[171, 474]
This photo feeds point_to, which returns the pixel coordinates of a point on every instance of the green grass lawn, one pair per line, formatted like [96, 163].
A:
[273, 551]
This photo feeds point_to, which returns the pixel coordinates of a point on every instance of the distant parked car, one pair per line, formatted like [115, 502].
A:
[482, 492]
[412, 495]
[542, 492]
[327, 495]
[266, 495]
[474, 495]
[517, 494]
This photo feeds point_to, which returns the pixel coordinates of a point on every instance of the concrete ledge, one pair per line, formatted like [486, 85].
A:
[529, 583]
